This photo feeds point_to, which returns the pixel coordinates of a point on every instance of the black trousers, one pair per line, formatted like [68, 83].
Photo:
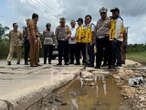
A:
[73, 53]
[48, 51]
[102, 46]
[91, 54]
[117, 56]
[63, 51]
[106, 50]
[81, 52]
[26, 50]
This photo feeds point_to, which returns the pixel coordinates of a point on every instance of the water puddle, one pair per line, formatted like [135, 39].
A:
[90, 93]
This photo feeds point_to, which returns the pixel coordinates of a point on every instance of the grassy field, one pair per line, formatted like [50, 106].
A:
[137, 56]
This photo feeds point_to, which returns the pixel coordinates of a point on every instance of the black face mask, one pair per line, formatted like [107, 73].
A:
[48, 29]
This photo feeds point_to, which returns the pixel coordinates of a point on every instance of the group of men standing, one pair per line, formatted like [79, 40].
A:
[74, 43]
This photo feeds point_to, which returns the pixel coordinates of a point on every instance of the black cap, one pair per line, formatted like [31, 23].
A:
[80, 19]
[115, 9]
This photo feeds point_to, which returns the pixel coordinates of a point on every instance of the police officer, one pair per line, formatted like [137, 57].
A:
[15, 38]
[62, 34]
[102, 38]
[49, 40]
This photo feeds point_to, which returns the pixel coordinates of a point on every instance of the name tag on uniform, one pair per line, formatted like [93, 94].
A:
[100, 37]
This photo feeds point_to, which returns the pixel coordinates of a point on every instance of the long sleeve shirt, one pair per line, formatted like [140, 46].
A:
[73, 36]
[102, 28]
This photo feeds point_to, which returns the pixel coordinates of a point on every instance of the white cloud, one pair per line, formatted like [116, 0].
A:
[51, 10]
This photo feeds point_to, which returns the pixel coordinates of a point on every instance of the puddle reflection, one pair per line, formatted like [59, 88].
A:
[91, 93]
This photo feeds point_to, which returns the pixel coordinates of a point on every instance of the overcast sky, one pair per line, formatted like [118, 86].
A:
[132, 11]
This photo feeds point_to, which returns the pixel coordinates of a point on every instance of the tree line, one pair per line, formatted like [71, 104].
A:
[4, 44]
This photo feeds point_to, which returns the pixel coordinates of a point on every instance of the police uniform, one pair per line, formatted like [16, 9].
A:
[49, 40]
[102, 39]
[34, 43]
[15, 45]
[62, 35]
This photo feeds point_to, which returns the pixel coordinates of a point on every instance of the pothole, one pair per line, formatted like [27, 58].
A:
[87, 93]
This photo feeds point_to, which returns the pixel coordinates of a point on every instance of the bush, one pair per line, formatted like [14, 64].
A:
[4, 48]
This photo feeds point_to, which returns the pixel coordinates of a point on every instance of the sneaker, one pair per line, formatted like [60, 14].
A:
[9, 63]
[18, 63]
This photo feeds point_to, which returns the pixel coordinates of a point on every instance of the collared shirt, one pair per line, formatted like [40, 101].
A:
[62, 33]
[73, 35]
[119, 24]
[32, 29]
[92, 26]
[49, 37]
[15, 38]
[102, 28]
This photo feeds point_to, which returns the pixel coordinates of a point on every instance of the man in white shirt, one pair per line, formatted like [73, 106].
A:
[73, 44]
[116, 37]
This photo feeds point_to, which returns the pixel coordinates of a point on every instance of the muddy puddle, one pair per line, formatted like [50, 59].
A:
[90, 93]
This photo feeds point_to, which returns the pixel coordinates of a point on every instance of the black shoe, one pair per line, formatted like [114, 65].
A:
[49, 62]
[66, 64]
[97, 67]
[91, 65]
[26, 64]
[77, 64]
[71, 63]
[111, 67]
[59, 64]
[123, 62]
[18, 63]
[104, 65]
[9, 63]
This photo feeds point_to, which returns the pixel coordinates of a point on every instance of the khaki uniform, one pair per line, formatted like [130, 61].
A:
[15, 45]
[34, 43]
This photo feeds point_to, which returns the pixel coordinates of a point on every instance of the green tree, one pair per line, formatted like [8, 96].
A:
[3, 30]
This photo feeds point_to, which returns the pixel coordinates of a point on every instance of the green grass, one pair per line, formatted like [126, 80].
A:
[137, 56]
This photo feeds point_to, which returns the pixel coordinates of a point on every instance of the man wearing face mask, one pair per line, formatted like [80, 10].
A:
[49, 40]
[62, 34]
[116, 37]
[102, 37]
